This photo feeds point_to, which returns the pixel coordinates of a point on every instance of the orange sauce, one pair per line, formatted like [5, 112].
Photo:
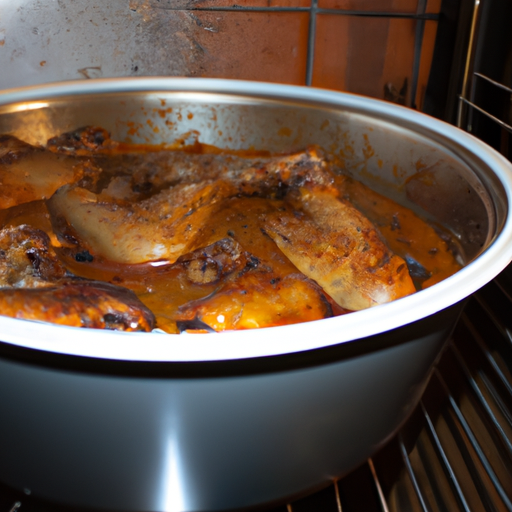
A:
[165, 287]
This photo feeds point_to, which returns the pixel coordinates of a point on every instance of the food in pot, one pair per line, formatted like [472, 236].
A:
[208, 240]
[36, 286]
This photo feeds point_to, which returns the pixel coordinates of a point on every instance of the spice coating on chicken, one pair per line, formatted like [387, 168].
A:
[269, 176]
[163, 227]
[29, 173]
[255, 299]
[35, 285]
[209, 240]
[336, 246]
[27, 260]
[92, 304]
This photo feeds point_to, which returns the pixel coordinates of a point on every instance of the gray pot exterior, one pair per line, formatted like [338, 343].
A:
[210, 442]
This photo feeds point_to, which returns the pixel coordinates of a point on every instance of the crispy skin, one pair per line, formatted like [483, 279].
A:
[146, 174]
[35, 285]
[256, 298]
[82, 141]
[407, 235]
[163, 227]
[92, 304]
[334, 244]
[27, 260]
[215, 262]
[29, 173]
[12, 149]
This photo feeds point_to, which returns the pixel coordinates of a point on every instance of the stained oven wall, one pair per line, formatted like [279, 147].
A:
[379, 48]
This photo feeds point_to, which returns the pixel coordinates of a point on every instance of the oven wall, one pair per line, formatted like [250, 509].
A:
[379, 48]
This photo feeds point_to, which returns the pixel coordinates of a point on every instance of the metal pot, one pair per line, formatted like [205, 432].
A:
[154, 422]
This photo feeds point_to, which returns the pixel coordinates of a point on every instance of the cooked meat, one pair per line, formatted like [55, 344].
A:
[428, 255]
[82, 141]
[163, 227]
[12, 149]
[29, 173]
[257, 298]
[331, 242]
[210, 240]
[27, 260]
[211, 264]
[35, 285]
[144, 174]
[79, 303]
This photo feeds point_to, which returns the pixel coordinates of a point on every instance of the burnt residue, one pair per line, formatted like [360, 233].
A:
[84, 257]
[193, 325]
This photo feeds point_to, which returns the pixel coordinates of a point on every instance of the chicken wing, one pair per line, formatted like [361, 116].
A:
[257, 298]
[35, 285]
[76, 303]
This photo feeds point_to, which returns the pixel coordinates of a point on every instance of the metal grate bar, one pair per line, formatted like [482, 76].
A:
[475, 445]
[412, 476]
[484, 112]
[378, 487]
[494, 82]
[482, 401]
[311, 42]
[318, 10]
[488, 356]
[337, 492]
[418, 43]
[495, 301]
[453, 482]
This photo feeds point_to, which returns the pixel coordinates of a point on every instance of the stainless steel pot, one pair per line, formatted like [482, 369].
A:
[208, 422]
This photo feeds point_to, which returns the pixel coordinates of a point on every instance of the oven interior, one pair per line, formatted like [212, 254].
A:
[449, 58]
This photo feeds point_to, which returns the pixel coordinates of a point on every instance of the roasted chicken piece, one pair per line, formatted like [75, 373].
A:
[256, 298]
[35, 285]
[163, 227]
[215, 262]
[29, 173]
[331, 242]
[261, 176]
[144, 174]
[430, 256]
[79, 303]
[252, 291]
[82, 141]
[27, 259]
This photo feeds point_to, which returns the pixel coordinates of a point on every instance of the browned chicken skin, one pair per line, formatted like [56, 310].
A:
[257, 298]
[27, 260]
[331, 242]
[34, 285]
[92, 304]
[208, 240]
[29, 173]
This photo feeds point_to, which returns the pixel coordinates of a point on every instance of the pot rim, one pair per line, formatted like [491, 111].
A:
[280, 340]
